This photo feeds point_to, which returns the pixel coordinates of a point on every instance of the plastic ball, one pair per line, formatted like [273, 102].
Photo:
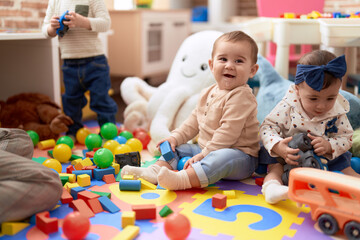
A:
[355, 164]
[122, 148]
[120, 139]
[177, 226]
[144, 138]
[62, 152]
[93, 141]
[138, 130]
[108, 130]
[53, 164]
[76, 226]
[111, 145]
[66, 140]
[81, 135]
[182, 162]
[103, 158]
[126, 134]
[135, 144]
[34, 137]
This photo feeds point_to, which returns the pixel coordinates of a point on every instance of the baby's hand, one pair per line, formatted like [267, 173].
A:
[192, 160]
[77, 20]
[320, 145]
[54, 24]
[171, 140]
[287, 153]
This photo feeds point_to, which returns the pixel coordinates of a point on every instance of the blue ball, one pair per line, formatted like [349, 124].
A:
[182, 162]
[120, 139]
[355, 164]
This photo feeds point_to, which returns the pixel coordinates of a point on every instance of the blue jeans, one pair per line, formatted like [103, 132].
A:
[226, 163]
[85, 74]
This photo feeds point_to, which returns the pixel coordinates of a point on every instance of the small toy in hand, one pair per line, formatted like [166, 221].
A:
[63, 28]
[166, 151]
[307, 156]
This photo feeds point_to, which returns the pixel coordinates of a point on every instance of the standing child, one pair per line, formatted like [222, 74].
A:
[312, 105]
[85, 65]
[225, 119]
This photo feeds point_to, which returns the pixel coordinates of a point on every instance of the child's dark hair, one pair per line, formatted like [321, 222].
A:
[237, 36]
[319, 58]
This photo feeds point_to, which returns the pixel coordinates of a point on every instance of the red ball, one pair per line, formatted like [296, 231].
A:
[76, 226]
[177, 226]
[137, 130]
[143, 137]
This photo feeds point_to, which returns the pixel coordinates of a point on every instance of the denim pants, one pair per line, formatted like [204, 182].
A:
[26, 187]
[85, 74]
[226, 163]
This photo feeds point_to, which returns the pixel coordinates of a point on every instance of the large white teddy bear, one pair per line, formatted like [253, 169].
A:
[164, 108]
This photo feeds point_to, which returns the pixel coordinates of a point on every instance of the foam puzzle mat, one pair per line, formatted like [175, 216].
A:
[247, 216]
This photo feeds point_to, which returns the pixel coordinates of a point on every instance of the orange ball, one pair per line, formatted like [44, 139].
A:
[81, 135]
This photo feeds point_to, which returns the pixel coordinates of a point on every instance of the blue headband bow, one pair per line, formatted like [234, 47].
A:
[314, 75]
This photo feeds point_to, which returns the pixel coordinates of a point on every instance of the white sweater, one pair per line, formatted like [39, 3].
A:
[79, 42]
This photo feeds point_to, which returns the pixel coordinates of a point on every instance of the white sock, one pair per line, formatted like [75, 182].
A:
[173, 180]
[149, 173]
[274, 191]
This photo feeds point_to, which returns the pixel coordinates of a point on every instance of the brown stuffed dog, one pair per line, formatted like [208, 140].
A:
[34, 111]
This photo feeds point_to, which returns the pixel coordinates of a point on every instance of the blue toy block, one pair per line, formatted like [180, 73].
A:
[63, 28]
[74, 191]
[108, 205]
[166, 151]
[100, 172]
[355, 164]
[129, 185]
[79, 172]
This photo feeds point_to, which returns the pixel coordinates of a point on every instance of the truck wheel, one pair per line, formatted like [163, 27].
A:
[311, 162]
[352, 230]
[328, 224]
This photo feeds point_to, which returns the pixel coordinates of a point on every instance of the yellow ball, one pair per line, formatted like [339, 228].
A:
[111, 145]
[62, 152]
[122, 148]
[53, 163]
[81, 135]
[135, 144]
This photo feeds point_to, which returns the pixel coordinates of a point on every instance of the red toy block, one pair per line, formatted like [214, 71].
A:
[109, 178]
[89, 167]
[259, 181]
[66, 196]
[144, 211]
[87, 195]
[80, 206]
[95, 205]
[219, 201]
[90, 154]
[45, 223]
[69, 169]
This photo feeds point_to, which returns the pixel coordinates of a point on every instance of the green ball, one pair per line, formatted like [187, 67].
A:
[103, 158]
[108, 131]
[93, 141]
[126, 134]
[34, 137]
[66, 140]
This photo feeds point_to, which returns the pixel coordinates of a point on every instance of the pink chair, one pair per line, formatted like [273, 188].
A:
[274, 8]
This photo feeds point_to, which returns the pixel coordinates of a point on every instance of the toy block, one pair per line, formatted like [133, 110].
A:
[146, 184]
[144, 211]
[95, 149]
[74, 157]
[69, 169]
[45, 223]
[66, 197]
[129, 232]
[109, 178]
[72, 177]
[90, 154]
[87, 162]
[165, 211]
[128, 177]
[74, 191]
[230, 194]
[160, 187]
[259, 181]
[90, 168]
[99, 173]
[131, 158]
[69, 186]
[76, 161]
[64, 179]
[127, 218]
[79, 166]
[84, 180]
[95, 205]
[12, 228]
[87, 195]
[219, 201]
[166, 151]
[108, 205]
[129, 185]
[80, 172]
[116, 166]
[80, 206]
[46, 144]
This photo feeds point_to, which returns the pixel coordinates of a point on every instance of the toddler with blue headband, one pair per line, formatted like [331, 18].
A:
[313, 105]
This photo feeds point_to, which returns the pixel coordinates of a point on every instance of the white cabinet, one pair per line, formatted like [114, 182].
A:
[145, 42]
